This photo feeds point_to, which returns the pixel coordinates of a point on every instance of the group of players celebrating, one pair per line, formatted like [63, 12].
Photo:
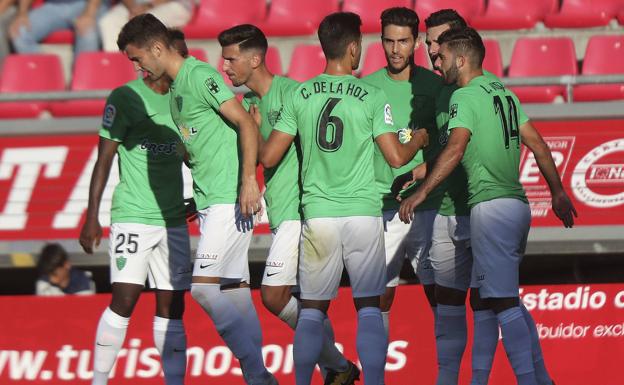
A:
[360, 173]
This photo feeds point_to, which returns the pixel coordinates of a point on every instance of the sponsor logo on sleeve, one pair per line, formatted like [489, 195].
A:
[212, 86]
[109, 116]
[453, 111]
[388, 114]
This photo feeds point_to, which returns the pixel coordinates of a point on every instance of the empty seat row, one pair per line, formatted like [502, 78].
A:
[531, 57]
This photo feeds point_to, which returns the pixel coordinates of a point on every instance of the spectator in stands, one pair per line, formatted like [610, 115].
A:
[7, 13]
[58, 277]
[29, 28]
[172, 13]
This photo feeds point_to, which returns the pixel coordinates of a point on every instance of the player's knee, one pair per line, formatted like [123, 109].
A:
[170, 303]
[449, 296]
[476, 302]
[430, 294]
[363, 302]
[275, 298]
[499, 305]
[205, 292]
[386, 299]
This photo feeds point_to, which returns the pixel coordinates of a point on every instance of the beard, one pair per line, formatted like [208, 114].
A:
[451, 75]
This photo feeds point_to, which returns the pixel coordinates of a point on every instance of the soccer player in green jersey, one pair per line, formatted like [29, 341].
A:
[243, 50]
[338, 118]
[215, 128]
[412, 92]
[148, 236]
[486, 127]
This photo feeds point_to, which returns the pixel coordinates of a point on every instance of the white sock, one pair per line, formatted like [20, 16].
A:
[110, 335]
[241, 298]
[231, 327]
[170, 340]
[290, 313]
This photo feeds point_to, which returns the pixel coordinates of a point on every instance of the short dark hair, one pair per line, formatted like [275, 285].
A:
[337, 31]
[178, 42]
[465, 41]
[52, 257]
[401, 16]
[247, 36]
[142, 31]
[445, 16]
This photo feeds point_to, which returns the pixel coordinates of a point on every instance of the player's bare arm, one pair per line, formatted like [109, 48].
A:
[447, 161]
[249, 197]
[561, 203]
[254, 111]
[275, 147]
[398, 154]
[91, 232]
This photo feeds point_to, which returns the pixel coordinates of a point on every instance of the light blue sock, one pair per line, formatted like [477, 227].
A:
[541, 373]
[484, 344]
[231, 327]
[517, 343]
[372, 344]
[451, 334]
[308, 344]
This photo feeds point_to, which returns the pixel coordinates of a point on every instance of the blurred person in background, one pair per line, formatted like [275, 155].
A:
[30, 27]
[172, 13]
[7, 13]
[58, 277]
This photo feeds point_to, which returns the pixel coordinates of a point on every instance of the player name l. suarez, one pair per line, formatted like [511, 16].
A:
[323, 87]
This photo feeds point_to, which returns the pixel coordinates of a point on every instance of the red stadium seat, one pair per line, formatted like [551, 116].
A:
[370, 11]
[95, 71]
[621, 17]
[213, 16]
[493, 61]
[468, 9]
[295, 17]
[604, 56]
[513, 14]
[306, 61]
[584, 13]
[199, 54]
[376, 59]
[29, 73]
[542, 57]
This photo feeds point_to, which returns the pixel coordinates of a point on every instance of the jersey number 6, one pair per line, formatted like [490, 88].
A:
[329, 128]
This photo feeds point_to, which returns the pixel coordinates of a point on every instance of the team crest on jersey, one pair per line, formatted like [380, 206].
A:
[109, 116]
[274, 116]
[212, 86]
[405, 135]
[388, 114]
[453, 111]
[187, 133]
[121, 262]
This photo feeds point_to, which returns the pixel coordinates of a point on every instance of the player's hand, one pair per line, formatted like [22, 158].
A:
[408, 205]
[564, 209]
[84, 23]
[91, 233]
[254, 111]
[191, 209]
[17, 24]
[250, 198]
[424, 136]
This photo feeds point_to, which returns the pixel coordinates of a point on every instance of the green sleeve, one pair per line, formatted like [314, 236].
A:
[382, 115]
[287, 122]
[115, 120]
[462, 111]
[211, 86]
[522, 116]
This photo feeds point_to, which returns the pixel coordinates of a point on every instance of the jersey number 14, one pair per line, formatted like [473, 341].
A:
[510, 127]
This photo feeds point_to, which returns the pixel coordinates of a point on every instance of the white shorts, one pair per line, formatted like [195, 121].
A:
[498, 229]
[157, 253]
[281, 264]
[414, 245]
[222, 251]
[328, 244]
[450, 254]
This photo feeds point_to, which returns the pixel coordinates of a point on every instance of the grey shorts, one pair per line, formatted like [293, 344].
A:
[498, 229]
[450, 253]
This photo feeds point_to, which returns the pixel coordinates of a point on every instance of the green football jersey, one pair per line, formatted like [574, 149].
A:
[211, 141]
[455, 201]
[493, 115]
[150, 156]
[337, 118]
[282, 193]
[413, 106]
